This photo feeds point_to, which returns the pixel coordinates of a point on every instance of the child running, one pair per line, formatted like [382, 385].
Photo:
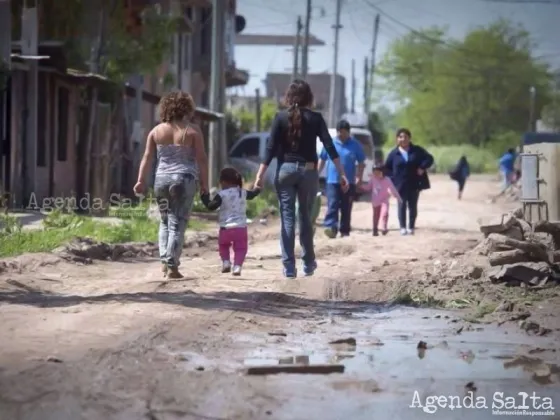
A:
[381, 188]
[231, 201]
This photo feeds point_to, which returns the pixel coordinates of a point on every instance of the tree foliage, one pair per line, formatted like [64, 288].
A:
[465, 91]
[246, 119]
[122, 54]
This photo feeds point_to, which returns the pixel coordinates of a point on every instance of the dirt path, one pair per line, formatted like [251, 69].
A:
[113, 340]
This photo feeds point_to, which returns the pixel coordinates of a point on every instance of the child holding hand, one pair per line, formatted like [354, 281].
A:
[231, 201]
[381, 188]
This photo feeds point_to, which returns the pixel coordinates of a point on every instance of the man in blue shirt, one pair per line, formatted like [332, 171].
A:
[339, 203]
[507, 166]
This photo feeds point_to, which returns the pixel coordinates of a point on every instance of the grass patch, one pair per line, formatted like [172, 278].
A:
[403, 295]
[60, 228]
[480, 311]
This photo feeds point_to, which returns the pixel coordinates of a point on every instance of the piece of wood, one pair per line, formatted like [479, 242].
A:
[297, 369]
[508, 257]
[496, 225]
[552, 229]
[535, 250]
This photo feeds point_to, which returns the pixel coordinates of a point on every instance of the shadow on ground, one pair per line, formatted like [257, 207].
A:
[274, 304]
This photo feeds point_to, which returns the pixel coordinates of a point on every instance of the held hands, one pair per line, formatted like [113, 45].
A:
[259, 183]
[420, 171]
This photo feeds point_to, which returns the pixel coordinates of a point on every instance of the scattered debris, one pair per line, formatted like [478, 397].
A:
[533, 327]
[54, 359]
[278, 333]
[351, 341]
[85, 250]
[422, 345]
[470, 387]
[297, 369]
[459, 330]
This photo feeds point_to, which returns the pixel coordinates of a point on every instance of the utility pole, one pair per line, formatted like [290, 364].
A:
[305, 53]
[29, 46]
[353, 104]
[373, 61]
[333, 90]
[297, 46]
[258, 110]
[5, 64]
[366, 85]
[216, 75]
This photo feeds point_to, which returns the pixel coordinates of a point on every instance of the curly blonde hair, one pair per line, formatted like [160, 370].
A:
[176, 106]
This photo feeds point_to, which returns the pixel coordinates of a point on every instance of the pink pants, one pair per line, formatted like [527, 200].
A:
[381, 212]
[235, 238]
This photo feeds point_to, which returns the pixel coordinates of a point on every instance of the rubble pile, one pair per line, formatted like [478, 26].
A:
[85, 250]
[520, 251]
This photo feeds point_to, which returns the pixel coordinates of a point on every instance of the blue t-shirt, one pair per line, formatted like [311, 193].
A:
[350, 153]
[507, 162]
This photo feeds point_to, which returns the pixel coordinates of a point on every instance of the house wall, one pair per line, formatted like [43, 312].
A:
[65, 166]
[60, 168]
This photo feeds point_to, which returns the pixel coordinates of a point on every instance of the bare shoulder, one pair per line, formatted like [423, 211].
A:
[160, 130]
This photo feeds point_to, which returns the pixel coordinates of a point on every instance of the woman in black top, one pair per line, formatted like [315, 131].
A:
[293, 142]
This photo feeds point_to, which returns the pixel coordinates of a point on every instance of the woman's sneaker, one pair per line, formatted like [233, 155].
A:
[236, 270]
[375, 232]
[404, 232]
[410, 231]
[290, 274]
[226, 266]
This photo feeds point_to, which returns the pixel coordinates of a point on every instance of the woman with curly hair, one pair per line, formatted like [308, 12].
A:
[181, 164]
[293, 142]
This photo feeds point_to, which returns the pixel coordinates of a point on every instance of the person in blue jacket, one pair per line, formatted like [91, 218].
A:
[507, 168]
[407, 166]
[339, 203]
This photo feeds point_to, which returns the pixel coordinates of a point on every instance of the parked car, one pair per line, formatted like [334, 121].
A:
[248, 152]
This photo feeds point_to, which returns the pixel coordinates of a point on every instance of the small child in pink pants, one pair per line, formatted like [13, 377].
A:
[232, 218]
[381, 188]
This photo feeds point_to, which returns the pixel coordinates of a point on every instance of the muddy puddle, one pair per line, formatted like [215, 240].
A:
[396, 359]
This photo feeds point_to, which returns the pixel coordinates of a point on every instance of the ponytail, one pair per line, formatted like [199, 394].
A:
[294, 125]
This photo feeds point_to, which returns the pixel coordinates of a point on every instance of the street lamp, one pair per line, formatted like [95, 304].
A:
[533, 94]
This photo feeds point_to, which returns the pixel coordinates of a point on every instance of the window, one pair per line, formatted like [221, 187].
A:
[62, 117]
[248, 148]
[365, 140]
[42, 122]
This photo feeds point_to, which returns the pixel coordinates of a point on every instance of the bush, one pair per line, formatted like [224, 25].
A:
[446, 157]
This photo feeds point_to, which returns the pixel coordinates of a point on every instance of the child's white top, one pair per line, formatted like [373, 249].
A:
[233, 209]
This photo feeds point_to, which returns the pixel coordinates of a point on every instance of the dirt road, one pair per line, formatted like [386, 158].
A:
[113, 340]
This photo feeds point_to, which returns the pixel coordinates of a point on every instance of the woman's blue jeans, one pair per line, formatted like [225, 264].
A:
[296, 181]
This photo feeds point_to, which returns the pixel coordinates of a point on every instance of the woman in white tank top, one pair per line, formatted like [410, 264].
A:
[181, 165]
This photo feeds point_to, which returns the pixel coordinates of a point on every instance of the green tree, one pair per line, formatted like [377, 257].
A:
[468, 91]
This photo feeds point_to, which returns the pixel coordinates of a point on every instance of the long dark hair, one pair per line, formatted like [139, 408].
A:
[298, 95]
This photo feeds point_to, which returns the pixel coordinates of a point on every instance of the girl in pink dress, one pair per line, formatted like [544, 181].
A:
[381, 188]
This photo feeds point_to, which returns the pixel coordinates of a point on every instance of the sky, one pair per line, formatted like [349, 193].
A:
[542, 20]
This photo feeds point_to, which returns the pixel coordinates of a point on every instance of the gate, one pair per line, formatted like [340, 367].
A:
[530, 186]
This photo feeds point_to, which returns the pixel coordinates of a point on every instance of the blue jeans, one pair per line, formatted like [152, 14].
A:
[175, 195]
[339, 204]
[294, 182]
